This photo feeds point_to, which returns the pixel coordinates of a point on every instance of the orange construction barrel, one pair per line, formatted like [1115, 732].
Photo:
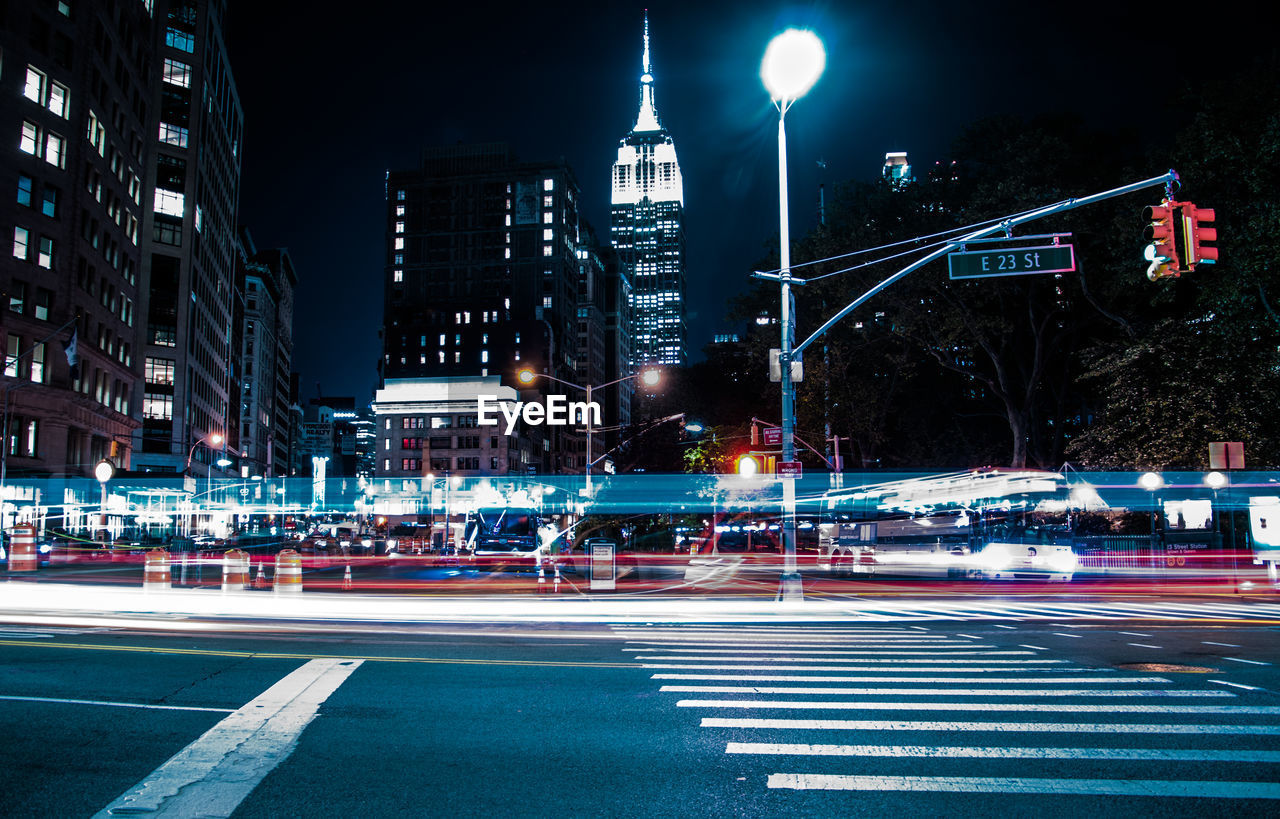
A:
[22, 549]
[235, 570]
[155, 571]
[288, 572]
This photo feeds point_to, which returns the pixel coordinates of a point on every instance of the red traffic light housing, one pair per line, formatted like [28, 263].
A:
[1162, 252]
[1196, 232]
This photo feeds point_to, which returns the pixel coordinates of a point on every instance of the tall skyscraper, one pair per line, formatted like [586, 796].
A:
[647, 231]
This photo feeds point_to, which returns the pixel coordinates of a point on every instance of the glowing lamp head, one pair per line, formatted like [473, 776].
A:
[650, 378]
[104, 470]
[1150, 481]
[792, 63]
[1215, 480]
[216, 439]
[526, 376]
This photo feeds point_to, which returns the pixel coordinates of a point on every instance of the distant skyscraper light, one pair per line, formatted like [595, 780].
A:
[647, 230]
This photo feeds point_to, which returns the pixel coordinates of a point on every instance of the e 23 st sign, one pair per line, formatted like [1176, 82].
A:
[1011, 261]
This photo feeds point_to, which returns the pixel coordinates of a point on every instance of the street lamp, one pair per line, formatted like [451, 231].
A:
[1151, 481]
[792, 63]
[649, 377]
[104, 471]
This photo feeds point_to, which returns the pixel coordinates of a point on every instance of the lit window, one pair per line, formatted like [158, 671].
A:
[21, 243]
[37, 362]
[399, 210]
[546, 250]
[199, 217]
[170, 203]
[30, 138]
[386, 464]
[508, 220]
[466, 317]
[442, 339]
[548, 184]
[173, 135]
[45, 257]
[97, 134]
[399, 243]
[546, 301]
[400, 195]
[548, 234]
[158, 406]
[546, 218]
[24, 190]
[33, 89]
[180, 40]
[58, 102]
[399, 227]
[484, 356]
[422, 358]
[546, 201]
[49, 202]
[398, 276]
[15, 353]
[176, 73]
[442, 356]
[457, 358]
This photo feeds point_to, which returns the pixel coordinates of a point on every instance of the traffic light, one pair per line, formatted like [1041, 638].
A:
[1162, 252]
[748, 466]
[1195, 233]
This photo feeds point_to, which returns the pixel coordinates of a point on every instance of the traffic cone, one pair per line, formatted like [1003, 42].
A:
[542, 580]
[346, 579]
[260, 582]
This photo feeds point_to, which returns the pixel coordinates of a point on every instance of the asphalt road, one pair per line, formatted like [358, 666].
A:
[1011, 718]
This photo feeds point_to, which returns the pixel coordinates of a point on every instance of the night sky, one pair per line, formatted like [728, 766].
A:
[333, 101]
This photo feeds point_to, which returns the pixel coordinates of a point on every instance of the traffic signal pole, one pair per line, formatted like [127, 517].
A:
[791, 588]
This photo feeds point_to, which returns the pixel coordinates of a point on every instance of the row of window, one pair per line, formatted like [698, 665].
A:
[29, 364]
[44, 144]
[436, 422]
[47, 93]
[438, 464]
[48, 199]
[21, 304]
[442, 442]
[29, 248]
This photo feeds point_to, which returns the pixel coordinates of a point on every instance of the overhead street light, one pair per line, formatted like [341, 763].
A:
[793, 62]
[650, 377]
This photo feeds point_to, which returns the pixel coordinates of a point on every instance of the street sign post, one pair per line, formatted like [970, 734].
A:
[1011, 261]
[790, 469]
[773, 436]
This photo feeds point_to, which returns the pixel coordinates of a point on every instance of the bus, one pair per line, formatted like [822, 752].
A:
[988, 523]
[503, 536]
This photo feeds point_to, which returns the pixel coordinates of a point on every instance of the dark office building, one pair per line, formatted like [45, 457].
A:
[191, 356]
[78, 83]
[267, 281]
[484, 274]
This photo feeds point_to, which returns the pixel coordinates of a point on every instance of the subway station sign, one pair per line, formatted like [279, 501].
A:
[1011, 261]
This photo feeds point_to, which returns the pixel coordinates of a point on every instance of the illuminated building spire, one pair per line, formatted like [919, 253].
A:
[648, 117]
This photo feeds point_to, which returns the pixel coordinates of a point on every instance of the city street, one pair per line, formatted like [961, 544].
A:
[1046, 710]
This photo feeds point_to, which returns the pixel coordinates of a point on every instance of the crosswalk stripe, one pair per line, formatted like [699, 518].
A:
[944, 651]
[961, 752]
[998, 727]
[1055, 708]
[854, 656]
[985, 665]
[883, 679]
[947, 692]
[1027, 785]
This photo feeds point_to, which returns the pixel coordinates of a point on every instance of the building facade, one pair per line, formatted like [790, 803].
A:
[190, 357]
[267, 281]
[486, 267]
[78, 94]
[647, 231]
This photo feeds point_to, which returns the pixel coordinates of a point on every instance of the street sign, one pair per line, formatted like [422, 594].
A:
[603, 574]
[773, 436]
[790, 469]
[1011, 261]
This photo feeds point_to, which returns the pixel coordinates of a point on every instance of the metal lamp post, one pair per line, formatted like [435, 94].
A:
[792, 63]
[104, 471]
[650, 377]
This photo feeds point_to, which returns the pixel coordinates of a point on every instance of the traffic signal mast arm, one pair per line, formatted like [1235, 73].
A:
[1069, 204]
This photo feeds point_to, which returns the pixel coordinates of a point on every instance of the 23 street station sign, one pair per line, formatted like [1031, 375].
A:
[1011, 261]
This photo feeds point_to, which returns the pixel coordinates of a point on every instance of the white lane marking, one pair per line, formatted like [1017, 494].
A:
[1211, 643]
[962, 752]
[998, 625]
[969, 636]
[1132, 634]
[995, 727]
[884, 679]
[782, 640]
[25, 635]
[117, 704]
[1143, 645]
[1027, 785]
[857, 658]
[1025, 707]
[1237, 685]
[1037, 648]
[213, 775]
[949, 692]
[1060, 634]
[1250, 662]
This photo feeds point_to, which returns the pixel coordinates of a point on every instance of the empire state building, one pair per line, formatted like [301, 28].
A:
[647, 230]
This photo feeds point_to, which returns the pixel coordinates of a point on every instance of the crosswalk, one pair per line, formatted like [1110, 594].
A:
[896, 611]
[901, 709]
